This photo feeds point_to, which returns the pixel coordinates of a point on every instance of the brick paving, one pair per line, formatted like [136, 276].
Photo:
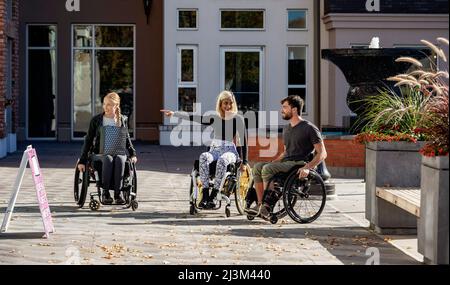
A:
[161, 231]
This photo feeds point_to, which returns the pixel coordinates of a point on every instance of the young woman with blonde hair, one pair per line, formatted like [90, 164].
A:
[229, 132]
[109, 141]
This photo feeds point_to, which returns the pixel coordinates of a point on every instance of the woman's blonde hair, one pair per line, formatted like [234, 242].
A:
[115, 98]
[222, 96]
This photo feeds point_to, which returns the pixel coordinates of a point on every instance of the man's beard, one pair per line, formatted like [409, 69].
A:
[287, 116]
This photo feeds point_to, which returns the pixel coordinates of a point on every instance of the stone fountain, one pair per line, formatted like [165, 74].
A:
[366, 70]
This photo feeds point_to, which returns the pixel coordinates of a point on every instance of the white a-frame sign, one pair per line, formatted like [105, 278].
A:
[30, 157]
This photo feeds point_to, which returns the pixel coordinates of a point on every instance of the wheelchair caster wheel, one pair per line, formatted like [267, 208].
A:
[273, 220]
[94, 205]
[227, 212]
[134, 205]
[192, 210]
[250, 218]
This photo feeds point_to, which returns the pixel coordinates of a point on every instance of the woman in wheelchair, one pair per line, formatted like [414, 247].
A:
[108, 141]
[229, 129]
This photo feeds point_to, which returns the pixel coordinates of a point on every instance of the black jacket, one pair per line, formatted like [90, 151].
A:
[92, 138]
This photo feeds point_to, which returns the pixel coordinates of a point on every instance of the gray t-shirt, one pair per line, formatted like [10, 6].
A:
[300, 140]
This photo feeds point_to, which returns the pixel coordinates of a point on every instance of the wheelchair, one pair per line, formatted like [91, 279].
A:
[235, 182]
[92, 174]
[302, 199]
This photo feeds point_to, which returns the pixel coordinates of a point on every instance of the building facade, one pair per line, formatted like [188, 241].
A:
[262, 50]
[353, 23]
[9, 63]
[75, 52]
[59, 58]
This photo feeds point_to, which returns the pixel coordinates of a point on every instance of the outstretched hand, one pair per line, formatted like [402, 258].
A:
[167, 113]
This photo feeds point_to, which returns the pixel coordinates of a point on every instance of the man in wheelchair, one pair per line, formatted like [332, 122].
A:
[300, 138]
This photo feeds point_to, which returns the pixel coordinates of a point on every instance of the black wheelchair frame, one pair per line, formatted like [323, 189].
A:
[286, 190]
[234, 182]
[92, 175]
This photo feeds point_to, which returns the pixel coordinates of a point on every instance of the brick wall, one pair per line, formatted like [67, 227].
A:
[9, 28]
[342, 152]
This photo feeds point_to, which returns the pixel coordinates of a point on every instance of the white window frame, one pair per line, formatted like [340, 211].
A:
[187, 84]
[299, 86]
[242, 29]
[196, 20]
[306, 19]
[94, 48]
[28, 48]
[261, 50]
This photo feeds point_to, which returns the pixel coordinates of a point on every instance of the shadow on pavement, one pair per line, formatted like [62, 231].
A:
[151, 157]
[21, 235]
[350, 245]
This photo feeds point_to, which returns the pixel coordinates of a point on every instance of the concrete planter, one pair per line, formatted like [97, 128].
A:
[394, 164]
[433, 229]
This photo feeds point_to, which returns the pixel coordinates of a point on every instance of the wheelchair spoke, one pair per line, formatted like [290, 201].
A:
[310, 199]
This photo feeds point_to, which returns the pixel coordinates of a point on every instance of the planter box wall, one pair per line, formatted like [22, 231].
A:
[393, 164]
[433, 242]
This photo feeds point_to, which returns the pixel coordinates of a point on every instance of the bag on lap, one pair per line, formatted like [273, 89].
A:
[113, 140]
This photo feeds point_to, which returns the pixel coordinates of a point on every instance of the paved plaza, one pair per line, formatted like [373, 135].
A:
[161, 231]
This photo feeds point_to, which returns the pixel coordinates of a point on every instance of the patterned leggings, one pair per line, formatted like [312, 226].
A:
[224, 154]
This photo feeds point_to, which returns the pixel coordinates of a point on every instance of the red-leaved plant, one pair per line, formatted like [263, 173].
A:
[421, 114]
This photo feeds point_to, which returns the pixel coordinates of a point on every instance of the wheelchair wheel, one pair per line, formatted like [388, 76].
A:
[195, 201]
[244, 180]
[134, 205]
[94, 205]
[250, 218]
[273, 220]
[227, 212]
[80, 187]
[301, 203]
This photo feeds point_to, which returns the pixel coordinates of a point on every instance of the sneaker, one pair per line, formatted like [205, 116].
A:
[210, 205]
[107, 200]
[254, 211]
[205, 198]
[265, 213]
[118, 200]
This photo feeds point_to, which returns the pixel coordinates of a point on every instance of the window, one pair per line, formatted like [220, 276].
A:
[187, 19]
[41, 81]
[297, 19]
[187, 77]
[103, 62]
[9, 9]
[297, 72]
[242, 19]
[241, 70]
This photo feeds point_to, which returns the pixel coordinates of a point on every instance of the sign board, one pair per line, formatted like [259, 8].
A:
[30, 157]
